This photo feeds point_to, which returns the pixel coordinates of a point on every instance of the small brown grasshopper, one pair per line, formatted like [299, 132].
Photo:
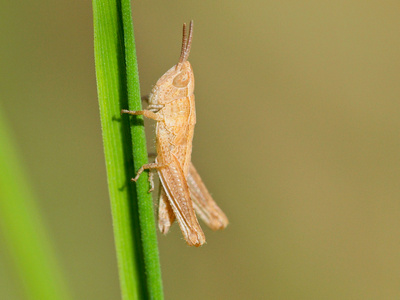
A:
[171, 104]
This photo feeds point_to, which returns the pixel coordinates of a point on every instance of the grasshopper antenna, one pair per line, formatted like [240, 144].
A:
[189, 41]
[186, 42]
[181, 60]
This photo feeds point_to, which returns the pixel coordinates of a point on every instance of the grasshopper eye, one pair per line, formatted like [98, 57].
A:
[181, 80]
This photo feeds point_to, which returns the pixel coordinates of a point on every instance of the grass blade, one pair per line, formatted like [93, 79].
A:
[111, 88]
[145, 203]
[24, 233]
[118, 82]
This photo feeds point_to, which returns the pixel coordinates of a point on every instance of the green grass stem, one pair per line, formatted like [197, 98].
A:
[24, 233]
[140, 155]
[125, 151]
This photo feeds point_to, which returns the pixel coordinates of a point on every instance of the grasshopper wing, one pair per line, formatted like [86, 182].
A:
[175, 185]
[205, 206]
[203, 203]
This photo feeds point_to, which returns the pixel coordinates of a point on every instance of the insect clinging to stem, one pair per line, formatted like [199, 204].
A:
[182, 192]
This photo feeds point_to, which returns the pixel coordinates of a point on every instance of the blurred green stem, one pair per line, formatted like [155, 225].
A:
[23, 231]
[118, 85]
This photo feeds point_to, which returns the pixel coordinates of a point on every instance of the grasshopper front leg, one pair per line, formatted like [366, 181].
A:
[147, 113]
[152, 107]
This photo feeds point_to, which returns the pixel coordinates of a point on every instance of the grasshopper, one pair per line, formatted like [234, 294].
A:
[182, 192]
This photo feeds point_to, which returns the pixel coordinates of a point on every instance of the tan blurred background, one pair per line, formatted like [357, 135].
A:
[297, 138]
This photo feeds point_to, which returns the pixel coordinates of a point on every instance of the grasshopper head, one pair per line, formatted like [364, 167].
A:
[177, 82]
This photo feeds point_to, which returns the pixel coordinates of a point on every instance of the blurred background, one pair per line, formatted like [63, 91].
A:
[297, 138]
